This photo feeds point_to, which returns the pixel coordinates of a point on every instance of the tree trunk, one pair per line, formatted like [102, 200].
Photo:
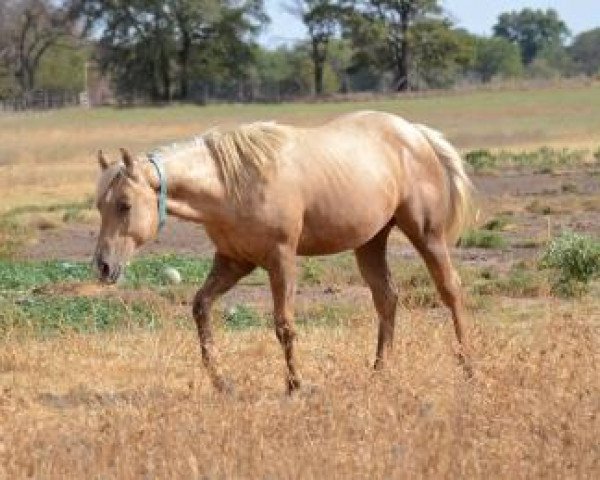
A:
[318, 78]
[184, 62]
[403, 65]
[318, 57]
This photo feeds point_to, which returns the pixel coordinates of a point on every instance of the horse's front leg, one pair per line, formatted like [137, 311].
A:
[282, 276]
[225, 273]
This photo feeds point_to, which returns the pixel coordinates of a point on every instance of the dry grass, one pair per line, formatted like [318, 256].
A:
[139, 405]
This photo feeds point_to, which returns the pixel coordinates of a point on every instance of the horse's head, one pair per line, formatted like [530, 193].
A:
[127, 206]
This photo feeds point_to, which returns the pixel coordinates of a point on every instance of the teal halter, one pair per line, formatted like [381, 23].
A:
[155, 159]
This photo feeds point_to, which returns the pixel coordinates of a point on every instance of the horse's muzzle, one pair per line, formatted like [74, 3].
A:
[107, 273]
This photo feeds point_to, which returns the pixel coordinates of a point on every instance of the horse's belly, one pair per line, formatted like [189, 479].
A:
[345, 228]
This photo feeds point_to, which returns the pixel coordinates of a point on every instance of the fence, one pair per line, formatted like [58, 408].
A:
[42, 100]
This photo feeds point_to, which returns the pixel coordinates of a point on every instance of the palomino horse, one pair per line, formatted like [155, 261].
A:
[266, 193]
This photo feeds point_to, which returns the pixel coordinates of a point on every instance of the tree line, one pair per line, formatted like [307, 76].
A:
[192, 50]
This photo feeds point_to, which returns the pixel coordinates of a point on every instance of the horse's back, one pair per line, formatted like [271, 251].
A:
[351, 176]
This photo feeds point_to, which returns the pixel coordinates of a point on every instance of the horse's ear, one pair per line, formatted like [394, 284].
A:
[102, 161]
[128, 161]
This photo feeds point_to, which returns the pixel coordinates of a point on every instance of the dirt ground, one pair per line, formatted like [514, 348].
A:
[535, 205]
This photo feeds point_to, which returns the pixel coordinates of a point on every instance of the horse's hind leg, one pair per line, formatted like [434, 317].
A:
[371, 259]
[225, 273]
[432, 247]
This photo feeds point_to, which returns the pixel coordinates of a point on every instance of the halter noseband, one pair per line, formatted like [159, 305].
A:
[155, 159]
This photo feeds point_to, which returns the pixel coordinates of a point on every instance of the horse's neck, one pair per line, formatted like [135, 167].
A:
[194, 190]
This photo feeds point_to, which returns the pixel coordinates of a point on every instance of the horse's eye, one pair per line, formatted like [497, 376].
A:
[123, 207]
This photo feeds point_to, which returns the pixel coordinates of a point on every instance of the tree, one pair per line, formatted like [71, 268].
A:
[322, 19]
[497, 57]
[150, 46]
[532, 30]
[28, 28]
[439, 52]
[585, 52]
[387, 23]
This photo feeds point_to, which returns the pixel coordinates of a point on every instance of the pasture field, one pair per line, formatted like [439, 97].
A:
[99, 382]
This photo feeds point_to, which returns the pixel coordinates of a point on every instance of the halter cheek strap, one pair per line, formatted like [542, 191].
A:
[155, 159]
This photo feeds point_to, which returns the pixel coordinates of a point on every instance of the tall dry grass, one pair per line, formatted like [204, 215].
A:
[139, 405]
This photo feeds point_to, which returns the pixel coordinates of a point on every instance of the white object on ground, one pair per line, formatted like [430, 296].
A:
[172, 275]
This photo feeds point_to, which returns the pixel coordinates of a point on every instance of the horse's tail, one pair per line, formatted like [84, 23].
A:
[461, 188]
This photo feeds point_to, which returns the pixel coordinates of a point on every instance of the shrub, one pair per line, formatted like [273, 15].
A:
[576, 257]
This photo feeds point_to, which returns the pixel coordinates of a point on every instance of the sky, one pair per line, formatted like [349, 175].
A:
[477, 16]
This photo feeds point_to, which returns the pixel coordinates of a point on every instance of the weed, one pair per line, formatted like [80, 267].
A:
[576, 257]
[480, 159]
[312, 271]
[498, 223]
[540, 209]
[46, 315]
[568, 187]
[542, 160]
[482, 239]
[522, 280]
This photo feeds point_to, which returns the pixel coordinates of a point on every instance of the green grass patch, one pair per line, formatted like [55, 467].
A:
[47, 315]
[150, 270]
[23, 275]
[145, 271]
[482, 239]
[543, 159]
[576, 259]
[241, 317]
[521, 281]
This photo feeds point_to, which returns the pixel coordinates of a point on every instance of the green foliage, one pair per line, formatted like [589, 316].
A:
[439, 52]
[532, 30]
[45, 314]
[482, 239]
[521, 281]
[62, 67]
[576, 257]
[156, 50]
[150, 270]
[585, 52]
[381, 29]
[312, 271]
[497, 57]
[544, 157]
[24, 275]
